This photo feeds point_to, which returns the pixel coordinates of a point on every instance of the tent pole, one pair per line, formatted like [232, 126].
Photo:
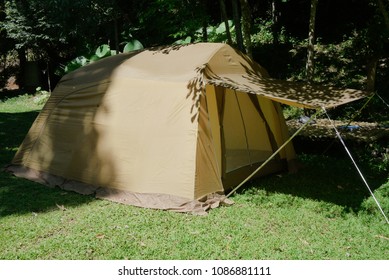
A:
[275, 153]
[356, 166]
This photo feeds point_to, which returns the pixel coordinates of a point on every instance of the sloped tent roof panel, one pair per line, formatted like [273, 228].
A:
[217, 64]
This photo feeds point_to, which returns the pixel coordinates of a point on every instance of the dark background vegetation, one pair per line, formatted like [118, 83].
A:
[351, 34]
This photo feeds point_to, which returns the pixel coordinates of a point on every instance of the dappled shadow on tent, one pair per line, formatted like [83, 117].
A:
[18, 196]
[255, 80]
[69, 142]
[166, 49]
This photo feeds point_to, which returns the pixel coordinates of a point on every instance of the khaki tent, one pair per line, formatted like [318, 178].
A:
[167, 128]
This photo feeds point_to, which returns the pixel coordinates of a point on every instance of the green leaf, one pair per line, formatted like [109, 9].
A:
[94, 58]
[133, 45]
[76, 63]
[221, 29]
[103, 51]
[81, 60]
[187, 40]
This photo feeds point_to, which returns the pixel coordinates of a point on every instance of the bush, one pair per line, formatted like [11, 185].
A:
[41, 96]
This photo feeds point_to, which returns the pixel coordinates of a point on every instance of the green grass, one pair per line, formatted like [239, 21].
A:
[22, 103]
[322, 212]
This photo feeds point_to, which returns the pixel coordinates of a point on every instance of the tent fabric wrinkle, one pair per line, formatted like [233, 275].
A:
[170, 128]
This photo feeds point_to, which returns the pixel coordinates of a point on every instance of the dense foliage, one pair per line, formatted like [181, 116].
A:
[352, 37]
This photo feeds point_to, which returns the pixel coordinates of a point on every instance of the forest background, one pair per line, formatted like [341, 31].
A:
[340, 43]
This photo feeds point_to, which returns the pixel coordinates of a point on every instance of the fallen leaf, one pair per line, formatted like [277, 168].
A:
[304, 242]
[383, 237]
[100, 236]
[61, 207]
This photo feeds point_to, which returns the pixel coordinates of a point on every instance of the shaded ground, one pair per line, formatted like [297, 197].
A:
[367, 142]
[322, 130]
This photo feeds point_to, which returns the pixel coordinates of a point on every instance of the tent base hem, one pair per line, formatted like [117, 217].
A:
[147, 200]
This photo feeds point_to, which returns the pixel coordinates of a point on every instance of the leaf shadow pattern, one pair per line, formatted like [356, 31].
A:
[65, 144]
[166, 49]
[255, 80]
[196, 87]
[19, 196]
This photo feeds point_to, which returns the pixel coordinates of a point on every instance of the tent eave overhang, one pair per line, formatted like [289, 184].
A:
[298, 94]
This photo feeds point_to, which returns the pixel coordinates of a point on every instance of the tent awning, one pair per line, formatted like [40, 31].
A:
[297, 94]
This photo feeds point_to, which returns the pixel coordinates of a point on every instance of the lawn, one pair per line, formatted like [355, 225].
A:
[322, 212]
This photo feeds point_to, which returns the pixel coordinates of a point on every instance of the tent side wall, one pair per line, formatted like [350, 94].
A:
[142, 141]
[84, 88]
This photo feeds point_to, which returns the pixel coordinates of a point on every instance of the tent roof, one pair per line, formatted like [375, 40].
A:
[217, 64]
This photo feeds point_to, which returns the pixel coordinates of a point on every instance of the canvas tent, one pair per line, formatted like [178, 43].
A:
[167, 128]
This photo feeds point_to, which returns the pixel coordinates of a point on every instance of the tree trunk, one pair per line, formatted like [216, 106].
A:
[275, 26]
[246, 26]
[310, 67]
[22, 67]
[371, 73]
[373, 61]
[225, 19]
[116, 30]
[204, 32]
[384, 13]
[238, 29]
[204, 21]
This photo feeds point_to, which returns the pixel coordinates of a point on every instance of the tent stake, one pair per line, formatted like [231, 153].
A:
[356, 166]
[274, 154]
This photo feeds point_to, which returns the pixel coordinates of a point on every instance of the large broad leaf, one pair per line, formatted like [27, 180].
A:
[103, 51]
[94, 58]
[187, 40]
[221, 29]
[82, 60]
[75, 64]
[184, 42]
[133, 45]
